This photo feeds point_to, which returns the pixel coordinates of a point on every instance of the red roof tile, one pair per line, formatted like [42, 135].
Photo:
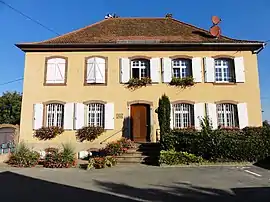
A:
[160, 30]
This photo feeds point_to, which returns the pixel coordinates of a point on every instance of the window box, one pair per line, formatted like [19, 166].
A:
[135, 83]
[182, 82]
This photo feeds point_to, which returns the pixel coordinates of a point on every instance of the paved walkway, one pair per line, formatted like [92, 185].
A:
[135, 183]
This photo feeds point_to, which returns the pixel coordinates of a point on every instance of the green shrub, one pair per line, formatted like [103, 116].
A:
[60, 159]
[101, 162]
[89, 133]
[23, 156]
[250, 144]
[174, 158]
[48, 133]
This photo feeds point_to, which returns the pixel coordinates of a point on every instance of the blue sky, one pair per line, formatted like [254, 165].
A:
[240, 19]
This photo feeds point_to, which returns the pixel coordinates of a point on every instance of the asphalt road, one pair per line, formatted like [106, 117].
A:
[136, 183]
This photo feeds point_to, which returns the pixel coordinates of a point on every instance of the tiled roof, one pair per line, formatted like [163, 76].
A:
[121, 30]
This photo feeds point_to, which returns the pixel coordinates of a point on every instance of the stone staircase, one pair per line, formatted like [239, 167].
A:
[143, 153]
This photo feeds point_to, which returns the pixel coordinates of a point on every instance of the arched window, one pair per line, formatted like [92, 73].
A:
[224, 70]
[56, 71]
[227, 115]
[183, 115]
[181, 68]
[95, 114]
[140, 68]
[55, 115]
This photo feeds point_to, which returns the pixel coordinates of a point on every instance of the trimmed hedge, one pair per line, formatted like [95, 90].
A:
[250, 144]
[174, 158]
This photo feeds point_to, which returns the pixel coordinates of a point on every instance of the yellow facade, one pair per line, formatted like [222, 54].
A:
[115, 92]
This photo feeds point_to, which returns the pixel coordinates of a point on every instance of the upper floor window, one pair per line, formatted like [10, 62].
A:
[227, 115]
[181, 68]
[95, 114]
[56, 69]
[95, 70]
[224, 70]
[183, 115]
[140, 68]
[55, 115]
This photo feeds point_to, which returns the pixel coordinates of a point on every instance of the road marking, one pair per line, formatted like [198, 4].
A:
[256, 174]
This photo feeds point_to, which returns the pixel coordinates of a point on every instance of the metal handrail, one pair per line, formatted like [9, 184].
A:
[122, 130]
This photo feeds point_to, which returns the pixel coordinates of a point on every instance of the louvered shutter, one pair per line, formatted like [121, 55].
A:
[197, 69]
[38, 116]
[60, 66]
[172, 117]
[243, 115]
[155, 70]
[124, 70]
[90, 71]
[239, 69]
[109, 116]
[212, 113]
[68, 116]
[79, 115]
[100, 65]
[209, 66]
[167, 70]
[199, 113]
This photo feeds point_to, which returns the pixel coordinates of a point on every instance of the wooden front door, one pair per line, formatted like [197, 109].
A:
[140, 119]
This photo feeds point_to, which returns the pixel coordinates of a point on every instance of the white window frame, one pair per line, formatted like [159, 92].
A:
[184, 64]
[225, 69]
[183, 115]
[227, 115]
[95, 114]
[141, 67]
[55, 115]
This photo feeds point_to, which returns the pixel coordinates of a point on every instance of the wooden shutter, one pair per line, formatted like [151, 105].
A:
[124, 70]
[239, 69]
[79, 115]
[155, 70]
[90, 71]
[100, 65]
[242, 115]
[172, 117]
[60, 70]
[68, 116]
[167, 70]
[38, 116]
[209, 67]
[199, 113]
[50, 72]
[197, 69]
[109, 116]
[212, 113]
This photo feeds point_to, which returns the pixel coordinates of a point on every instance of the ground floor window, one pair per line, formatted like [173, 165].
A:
[183, 115]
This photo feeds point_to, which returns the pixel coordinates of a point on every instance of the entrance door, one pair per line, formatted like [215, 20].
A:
[140, 122]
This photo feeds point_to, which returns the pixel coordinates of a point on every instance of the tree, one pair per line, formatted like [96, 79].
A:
[266, 123]
[10, 107]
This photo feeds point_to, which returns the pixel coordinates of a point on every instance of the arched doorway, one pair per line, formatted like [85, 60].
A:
[140, 122]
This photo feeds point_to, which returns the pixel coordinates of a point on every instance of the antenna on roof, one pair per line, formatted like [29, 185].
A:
[168, 15]
[111, 16]
[215, 29]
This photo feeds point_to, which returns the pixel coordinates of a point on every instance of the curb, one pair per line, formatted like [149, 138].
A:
[207, 165]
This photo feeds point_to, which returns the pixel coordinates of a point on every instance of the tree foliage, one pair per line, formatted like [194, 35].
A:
[164, 116]
[10, 107]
